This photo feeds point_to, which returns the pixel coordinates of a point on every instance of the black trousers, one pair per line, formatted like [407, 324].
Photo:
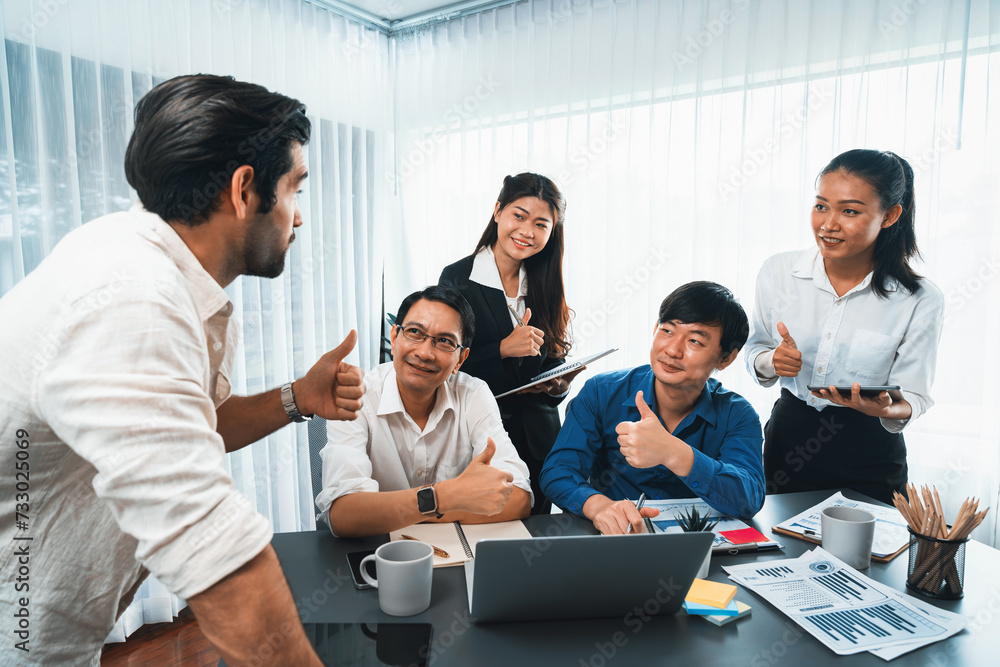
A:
[806, 449]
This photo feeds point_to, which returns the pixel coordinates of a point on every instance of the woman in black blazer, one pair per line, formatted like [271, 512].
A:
[517, 269]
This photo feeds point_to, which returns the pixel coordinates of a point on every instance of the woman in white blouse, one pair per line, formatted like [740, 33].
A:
[852, 313]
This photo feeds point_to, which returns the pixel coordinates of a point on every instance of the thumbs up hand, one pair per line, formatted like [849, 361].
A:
[787, 358]
[644, 443]
[481, 488]
[524, 341]
[332, 388]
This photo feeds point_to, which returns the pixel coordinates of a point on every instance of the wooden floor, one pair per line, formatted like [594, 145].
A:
[179, 643]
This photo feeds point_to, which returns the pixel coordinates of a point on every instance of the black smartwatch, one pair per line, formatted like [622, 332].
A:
[427, 501]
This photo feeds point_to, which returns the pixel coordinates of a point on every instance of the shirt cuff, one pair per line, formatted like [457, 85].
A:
[894, 425]
[227, 538]
[763, 364]
[702, 473]
[326, 497]
[578, 498]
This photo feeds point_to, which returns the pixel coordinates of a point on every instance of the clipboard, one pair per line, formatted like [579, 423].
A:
[559, 370]
[891, 537]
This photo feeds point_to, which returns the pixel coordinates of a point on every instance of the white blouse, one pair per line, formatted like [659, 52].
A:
[857, 337]
[485, 272]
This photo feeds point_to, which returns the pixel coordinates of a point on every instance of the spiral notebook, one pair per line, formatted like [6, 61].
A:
[459, 541]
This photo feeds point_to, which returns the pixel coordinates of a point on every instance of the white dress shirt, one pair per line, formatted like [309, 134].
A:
[114, 354]
[857, 337]
[384, 449]
[486, 273]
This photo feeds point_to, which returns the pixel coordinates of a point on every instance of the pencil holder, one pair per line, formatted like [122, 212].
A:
[937, 567]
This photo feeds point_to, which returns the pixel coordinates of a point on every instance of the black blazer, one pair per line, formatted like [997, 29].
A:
[531, 420]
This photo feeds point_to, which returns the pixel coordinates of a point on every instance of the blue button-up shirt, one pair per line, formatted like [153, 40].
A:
[722, 429]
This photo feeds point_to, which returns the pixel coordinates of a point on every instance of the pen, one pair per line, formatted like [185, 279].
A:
[516, 316]
[438, 551]
[638, 506]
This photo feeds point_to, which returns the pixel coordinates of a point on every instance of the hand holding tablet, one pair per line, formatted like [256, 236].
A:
[845, 390]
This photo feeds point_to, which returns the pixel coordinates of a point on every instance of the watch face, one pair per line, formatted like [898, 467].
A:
[426, 501]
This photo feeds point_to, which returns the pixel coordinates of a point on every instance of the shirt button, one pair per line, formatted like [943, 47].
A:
[420, 472]
[217, 346]
[695, 484]
[828, 336]
[819, 369]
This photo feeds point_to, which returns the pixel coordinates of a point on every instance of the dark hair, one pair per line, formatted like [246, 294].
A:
[193, 132]
[706, 302]
[546, 294]
[891, 177]
[450, 297]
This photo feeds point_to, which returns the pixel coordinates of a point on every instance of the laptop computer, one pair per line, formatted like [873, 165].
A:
[582, 576]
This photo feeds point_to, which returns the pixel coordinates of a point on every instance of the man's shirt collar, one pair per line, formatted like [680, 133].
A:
[703, 408]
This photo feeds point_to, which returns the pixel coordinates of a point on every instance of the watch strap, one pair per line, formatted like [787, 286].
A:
[288, 402]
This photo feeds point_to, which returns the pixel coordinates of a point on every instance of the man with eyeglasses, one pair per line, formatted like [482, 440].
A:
[428, 443]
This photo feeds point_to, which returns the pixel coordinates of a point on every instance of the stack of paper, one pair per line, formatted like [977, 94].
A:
[843, 608]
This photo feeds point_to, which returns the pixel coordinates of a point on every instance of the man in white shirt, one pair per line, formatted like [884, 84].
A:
[428, 444]
[115, 354]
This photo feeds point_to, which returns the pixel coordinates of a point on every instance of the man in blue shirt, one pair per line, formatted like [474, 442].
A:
[666, 429]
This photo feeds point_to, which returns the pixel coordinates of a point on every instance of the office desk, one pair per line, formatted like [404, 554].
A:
[316, 568]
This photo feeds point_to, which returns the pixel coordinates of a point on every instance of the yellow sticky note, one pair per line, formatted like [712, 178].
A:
[712, 593]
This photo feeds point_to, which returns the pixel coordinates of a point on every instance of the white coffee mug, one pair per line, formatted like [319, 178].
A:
[848, 535]
[404, 570]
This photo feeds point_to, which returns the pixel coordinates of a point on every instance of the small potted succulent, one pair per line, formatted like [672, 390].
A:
[693, 521]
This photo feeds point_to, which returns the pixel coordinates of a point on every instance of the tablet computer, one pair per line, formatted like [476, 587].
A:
[561, 369]
[868, 392]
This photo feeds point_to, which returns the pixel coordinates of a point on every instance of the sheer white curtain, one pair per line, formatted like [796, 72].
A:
[687, 137]
[71, 74]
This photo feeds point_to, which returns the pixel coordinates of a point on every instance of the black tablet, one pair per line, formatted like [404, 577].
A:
[867, 392]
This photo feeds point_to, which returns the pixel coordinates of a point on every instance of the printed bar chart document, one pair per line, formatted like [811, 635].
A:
[844, 609]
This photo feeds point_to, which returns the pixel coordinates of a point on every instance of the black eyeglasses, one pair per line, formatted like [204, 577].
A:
[417, 336]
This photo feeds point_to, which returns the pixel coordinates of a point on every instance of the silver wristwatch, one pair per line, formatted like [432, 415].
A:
[292, 410]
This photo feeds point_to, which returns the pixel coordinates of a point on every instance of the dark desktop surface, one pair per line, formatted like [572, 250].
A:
[349, 628]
